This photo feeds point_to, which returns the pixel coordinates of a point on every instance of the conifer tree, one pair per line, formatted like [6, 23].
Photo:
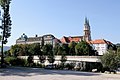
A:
[6, 25]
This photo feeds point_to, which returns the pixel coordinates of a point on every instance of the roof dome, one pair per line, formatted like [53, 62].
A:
[24, 37]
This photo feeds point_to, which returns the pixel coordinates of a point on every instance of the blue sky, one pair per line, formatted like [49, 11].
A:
[65, 18]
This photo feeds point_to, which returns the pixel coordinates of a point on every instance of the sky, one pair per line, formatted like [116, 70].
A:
[65, 18]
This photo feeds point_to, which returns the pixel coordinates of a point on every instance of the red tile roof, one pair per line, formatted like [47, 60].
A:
[70, 39]
[99, 41]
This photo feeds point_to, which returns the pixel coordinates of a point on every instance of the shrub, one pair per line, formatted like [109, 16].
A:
[13, 61]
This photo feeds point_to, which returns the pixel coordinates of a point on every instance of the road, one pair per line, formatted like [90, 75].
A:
[20, 73]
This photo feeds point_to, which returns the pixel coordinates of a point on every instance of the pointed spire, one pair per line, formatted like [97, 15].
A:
[86, 20]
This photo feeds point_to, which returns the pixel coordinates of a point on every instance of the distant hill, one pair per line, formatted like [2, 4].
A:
[5, 48]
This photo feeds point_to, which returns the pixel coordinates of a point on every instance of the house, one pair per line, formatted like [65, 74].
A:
[100, 45]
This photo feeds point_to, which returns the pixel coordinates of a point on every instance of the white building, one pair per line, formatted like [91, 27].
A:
[100, 45]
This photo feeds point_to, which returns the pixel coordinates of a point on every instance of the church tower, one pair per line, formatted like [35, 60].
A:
[87, 32]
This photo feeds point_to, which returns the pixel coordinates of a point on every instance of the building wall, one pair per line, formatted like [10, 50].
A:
[69, 59]
[46, 39]
[101, 48]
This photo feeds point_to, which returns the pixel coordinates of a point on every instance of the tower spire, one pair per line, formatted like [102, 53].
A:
[86, 22]
[87, 32]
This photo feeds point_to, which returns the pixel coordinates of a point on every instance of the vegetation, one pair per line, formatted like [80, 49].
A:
[72, 48]
[111, 59]
[63, 59]
[83, 48]
[57, 49]
[48, 52]
[13, 61]
[6, 25]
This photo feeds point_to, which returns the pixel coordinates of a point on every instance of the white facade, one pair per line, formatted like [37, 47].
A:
[100, 45]
[69, 59]
[101, 48]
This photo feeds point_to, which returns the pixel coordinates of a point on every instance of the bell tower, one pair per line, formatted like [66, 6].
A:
[87, 32]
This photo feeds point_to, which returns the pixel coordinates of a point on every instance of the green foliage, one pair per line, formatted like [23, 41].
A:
[83, 48]
[65, 48]
[34, 49]
[57, 49]
[60, 51]
[70, 66]
[16, 50]
[51, 57]
[111, 59]
[13, 61]
[42, 58]
[6, 25]
[63, 59]
[3, 2]
[0, 37]
[7, 53]
[6, 22]
[30, 60]
[72, 48]
[46, 49]
[93, 65]
[25, 49]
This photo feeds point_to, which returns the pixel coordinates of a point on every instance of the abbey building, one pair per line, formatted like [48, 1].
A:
[101, 45]
[49, 38]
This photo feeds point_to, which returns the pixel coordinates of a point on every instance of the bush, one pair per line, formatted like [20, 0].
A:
[93, 65]
[37, 65]
[13, 61]
[70, 66]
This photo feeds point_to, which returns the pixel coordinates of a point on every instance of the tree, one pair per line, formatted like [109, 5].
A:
[60, 50]
[83, 48]
[30, 60]
[51, 57]
[56, 48]
[65, 48]
[42, 58]
[35, 48]
[19, 50]
[63, 59]
[15, 50]
[6, 24]
[72, 48]
[46, 49]
[111, 59]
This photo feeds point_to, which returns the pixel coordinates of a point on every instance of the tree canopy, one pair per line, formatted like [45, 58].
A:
[83, 48]
[111, 59]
